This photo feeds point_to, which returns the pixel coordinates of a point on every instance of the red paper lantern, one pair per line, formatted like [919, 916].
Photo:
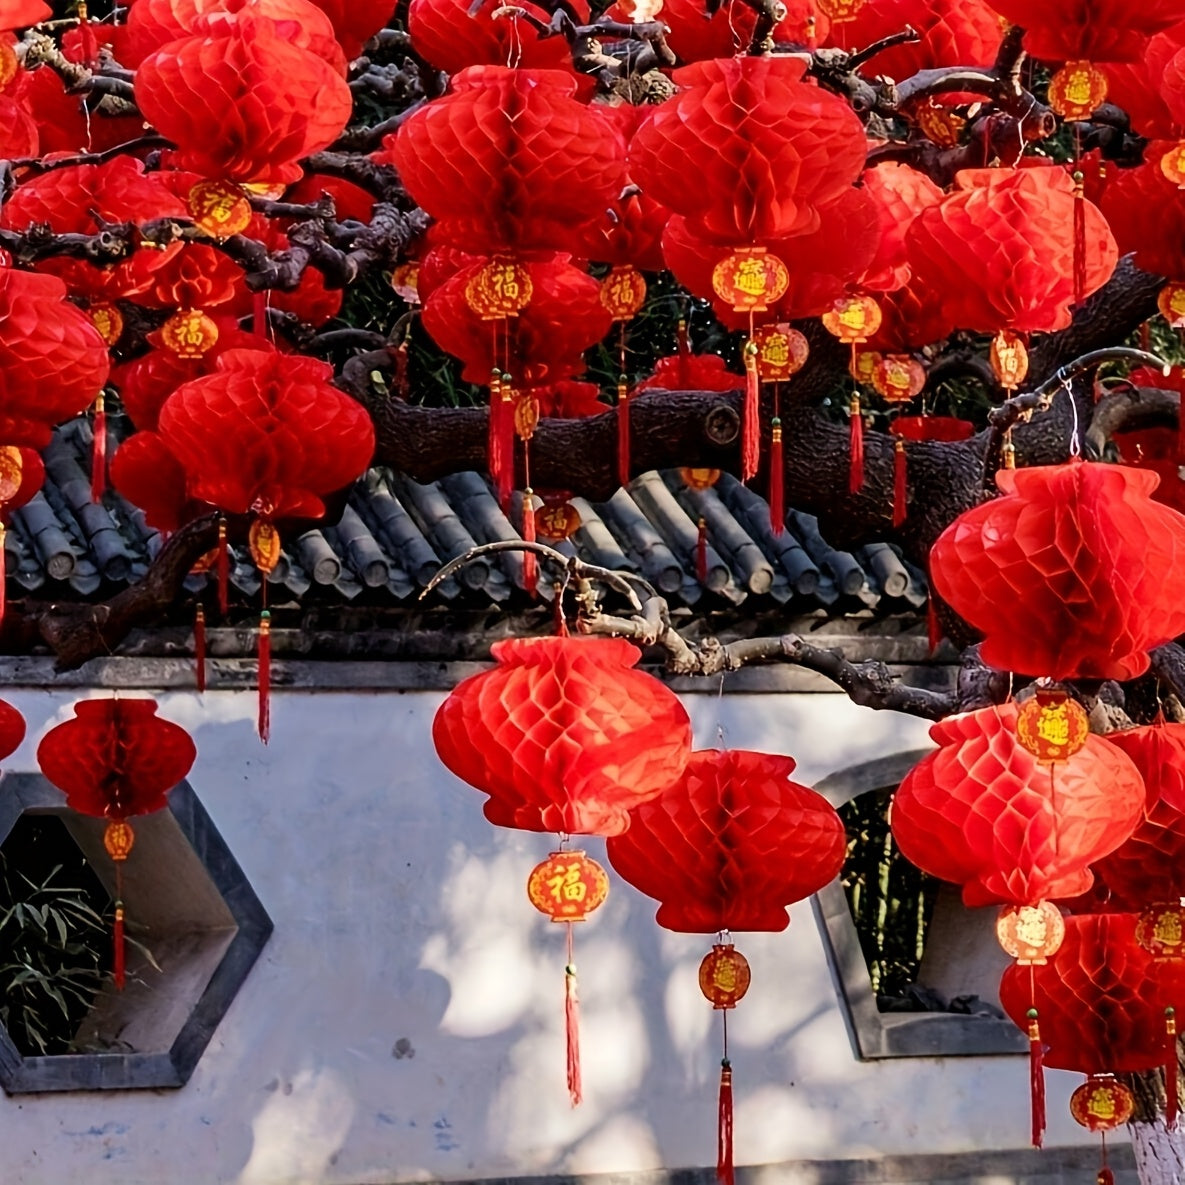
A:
[767, 150]
[898, 194]
[1100, 998]
[20, 14]
[267, 434]
[543, 343]
[116, 758]
[1146, 213]
[1101, 30]
[356, 21]
[241, 102]
[451, 37]
[509, 160]
[147, 474]
[563, 735]
[53, 360]
[985, 813]
[1150, 866]
[1014, 231]
[692, 372]
[64, 123]
[1065, 573]
[12, 730]
[153, 24]
[731, 844]
[1142, 87]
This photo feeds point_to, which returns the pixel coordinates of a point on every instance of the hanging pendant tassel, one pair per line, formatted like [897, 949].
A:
[1172, 1069]
[623, 431]
[118, 955]
[777, 481]
[199, 647]
[701, 552]
[856, 446]
[530, 566]
[751, 414]
[682, 345]
[572, 1027]
[1104, 1176]
[1036, 1080]
[725, 1173]
[90, 43]
[1079, 239]
[899, 480]
[506, 434]
[265, 676]
[223, 569]
[99, 451]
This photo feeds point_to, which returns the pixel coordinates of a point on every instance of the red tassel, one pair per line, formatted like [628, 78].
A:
[572, 1027]
[899, 488]
[777, 481]
[1105, 1176]
[1036, 1080]
[223, 569]
[502, 440]
[751, 415]
[259, 324]
[99, 451]
[1172, 1069]
[90, 43]
[265, 676]
[402, 386]
[856, 443]
[683, 346]
[1079, 240]
[701, 552]
[933, 625]
[724, 1167]
[530, 567]
[118, 957]
[199, 647]
[623, 431]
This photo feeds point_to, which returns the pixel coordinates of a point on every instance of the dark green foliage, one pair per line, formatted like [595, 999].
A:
[891, 900]
[54, 942]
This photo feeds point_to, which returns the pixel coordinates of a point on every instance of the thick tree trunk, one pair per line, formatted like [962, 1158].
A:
[1160, 1153]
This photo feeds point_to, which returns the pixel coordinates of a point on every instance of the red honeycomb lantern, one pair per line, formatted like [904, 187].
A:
[1065, 573]
[356, 21]
[985, 813]
[1150, 866]
[452, 36]
[1014, 231]
[509, 160]
[114, 760]
[1101, 30]
[241, 102]
[563, 735]
[731, 844]
[767, 150]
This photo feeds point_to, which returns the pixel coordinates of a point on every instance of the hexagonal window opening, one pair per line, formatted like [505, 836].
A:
[196, 924]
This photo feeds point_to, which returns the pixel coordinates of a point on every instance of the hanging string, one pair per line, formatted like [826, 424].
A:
[777, 475]
[572, 1026]
[900, 479]
[264, 724]
[623, 430]
[199, 647]
[1079, 222]
[530, 564]
[118, 951]
[1105, 1175]
[701, 551]
[561, 622]
[1172, 1069]
[223, 568]
[3, 573]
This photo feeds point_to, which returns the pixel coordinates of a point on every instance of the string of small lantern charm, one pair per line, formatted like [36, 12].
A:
[777, 473]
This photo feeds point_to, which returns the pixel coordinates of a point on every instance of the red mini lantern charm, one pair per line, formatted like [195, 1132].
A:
[1052, 726]
[567, 886]
[724, 976]
[1031, 933]
[750, 280]
[1160, 930]
[1102, 1103]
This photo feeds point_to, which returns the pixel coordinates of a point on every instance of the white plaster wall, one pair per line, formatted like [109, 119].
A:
[400, 914]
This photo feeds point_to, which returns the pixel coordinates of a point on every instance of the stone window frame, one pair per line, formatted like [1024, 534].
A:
[229, 921]
[875, 1034]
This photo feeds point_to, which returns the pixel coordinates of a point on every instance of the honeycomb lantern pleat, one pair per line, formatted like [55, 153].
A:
[543, 344]
[12, 729]
[983, 813]
[356, 21]
[116, 758]
[1139, 86]
[1065, 574]
[20, 14]
[154, 23]
[266, 433]
[1014, 231]
[509, 160]
[451, 37]
[240, 101]
[731, 844]
[1146, 214]
[1149, 867]
[1100, 998]
[898, 194]
[147, 474]
[1099, 30]
[748, 152]
[563, 735]
[52, 360]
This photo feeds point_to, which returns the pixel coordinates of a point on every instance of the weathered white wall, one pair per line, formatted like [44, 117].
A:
[402, 927]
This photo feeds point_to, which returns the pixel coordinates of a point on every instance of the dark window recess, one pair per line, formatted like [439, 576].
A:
[55, 945]
[891, 901]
